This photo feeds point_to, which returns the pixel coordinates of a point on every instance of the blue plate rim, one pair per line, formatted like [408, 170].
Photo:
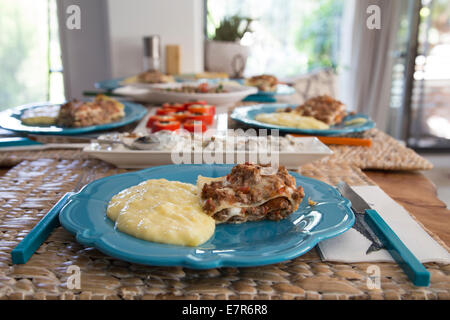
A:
[138, 111]
[240, 114]
[90, 238]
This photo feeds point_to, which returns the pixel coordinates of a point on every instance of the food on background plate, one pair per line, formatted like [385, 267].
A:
[323, 108]
[40, 116]
[319, 112]
[355, 121]
[291, 119]
[82, 114]
[150, 76]
[250, 192]
[201, 88]
[264, 82]
[172, 140]
[76, 113]
[161, 211]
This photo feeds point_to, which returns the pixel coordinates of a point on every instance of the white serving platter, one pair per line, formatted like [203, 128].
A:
[311, 150]
[157, 94]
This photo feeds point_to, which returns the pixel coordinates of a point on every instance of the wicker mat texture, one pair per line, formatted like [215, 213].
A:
[31, 188]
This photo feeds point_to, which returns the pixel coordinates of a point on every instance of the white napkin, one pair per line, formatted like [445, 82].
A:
[351, 246]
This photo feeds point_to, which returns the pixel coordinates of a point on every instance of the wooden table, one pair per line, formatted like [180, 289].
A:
[417, 194]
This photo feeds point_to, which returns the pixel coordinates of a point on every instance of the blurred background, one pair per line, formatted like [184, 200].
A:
[399, 74]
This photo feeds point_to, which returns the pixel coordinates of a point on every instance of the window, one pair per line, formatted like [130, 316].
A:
[289, 37]
[30, 57]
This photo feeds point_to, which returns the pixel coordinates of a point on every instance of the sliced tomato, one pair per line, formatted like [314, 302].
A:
[190, 103]
[199, 116]
[181, 116]
[166, 125]
[176, 106]
[202, 108]
[194, 126]
[165, 111]
[154, 118]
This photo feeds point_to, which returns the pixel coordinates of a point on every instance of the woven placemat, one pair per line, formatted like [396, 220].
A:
[385, 153]
[31, 188]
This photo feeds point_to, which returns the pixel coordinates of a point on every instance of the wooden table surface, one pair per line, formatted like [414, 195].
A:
[417, 194]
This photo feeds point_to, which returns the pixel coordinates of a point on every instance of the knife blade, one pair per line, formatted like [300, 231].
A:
[359, 207]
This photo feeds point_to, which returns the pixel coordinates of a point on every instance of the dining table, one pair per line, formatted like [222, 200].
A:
[31, 182]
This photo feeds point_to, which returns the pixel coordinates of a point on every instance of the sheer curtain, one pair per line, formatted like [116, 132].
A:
[366, 58]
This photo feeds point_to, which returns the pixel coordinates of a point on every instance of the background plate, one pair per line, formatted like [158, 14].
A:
[10, 120]
[247, 115]
[233, 245]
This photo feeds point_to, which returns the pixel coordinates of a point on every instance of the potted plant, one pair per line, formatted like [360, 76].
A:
[224, 53]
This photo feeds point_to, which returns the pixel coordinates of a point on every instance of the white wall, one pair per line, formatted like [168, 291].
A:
[175, 21]
[109, 43]
[85, 53]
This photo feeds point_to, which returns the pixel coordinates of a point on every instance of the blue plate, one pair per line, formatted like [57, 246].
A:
[112, 84]
[247, 115]
[270, 97]
[10, 120]
[232, 245]
[109, 85]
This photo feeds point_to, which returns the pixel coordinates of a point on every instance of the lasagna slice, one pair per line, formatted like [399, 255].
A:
[250, 192]
[263, 82]
[82, 114]
[323, 108]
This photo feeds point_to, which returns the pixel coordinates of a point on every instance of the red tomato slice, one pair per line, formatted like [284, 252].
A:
[165, 125]
[190, 103]
[204, 117]
[202, 108]
[176, 106]
[154, 118]
[165, 111]
[194, 126]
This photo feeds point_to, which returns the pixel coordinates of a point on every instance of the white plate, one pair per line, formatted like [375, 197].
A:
[157, 94]
[312, 149]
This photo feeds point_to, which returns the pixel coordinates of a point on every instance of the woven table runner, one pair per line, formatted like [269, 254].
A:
[386, 153]
[31, 188]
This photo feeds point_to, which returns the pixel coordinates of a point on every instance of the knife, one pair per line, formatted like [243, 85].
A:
[373, 224]
[358, 207]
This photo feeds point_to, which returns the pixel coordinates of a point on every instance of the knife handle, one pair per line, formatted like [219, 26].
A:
[415, 270]
[33, 240]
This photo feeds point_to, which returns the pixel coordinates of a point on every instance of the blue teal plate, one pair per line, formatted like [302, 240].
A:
[109, 85]
[269, 97]
[10, 120]
[247, 115]
[112, 84]
[232, 245]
